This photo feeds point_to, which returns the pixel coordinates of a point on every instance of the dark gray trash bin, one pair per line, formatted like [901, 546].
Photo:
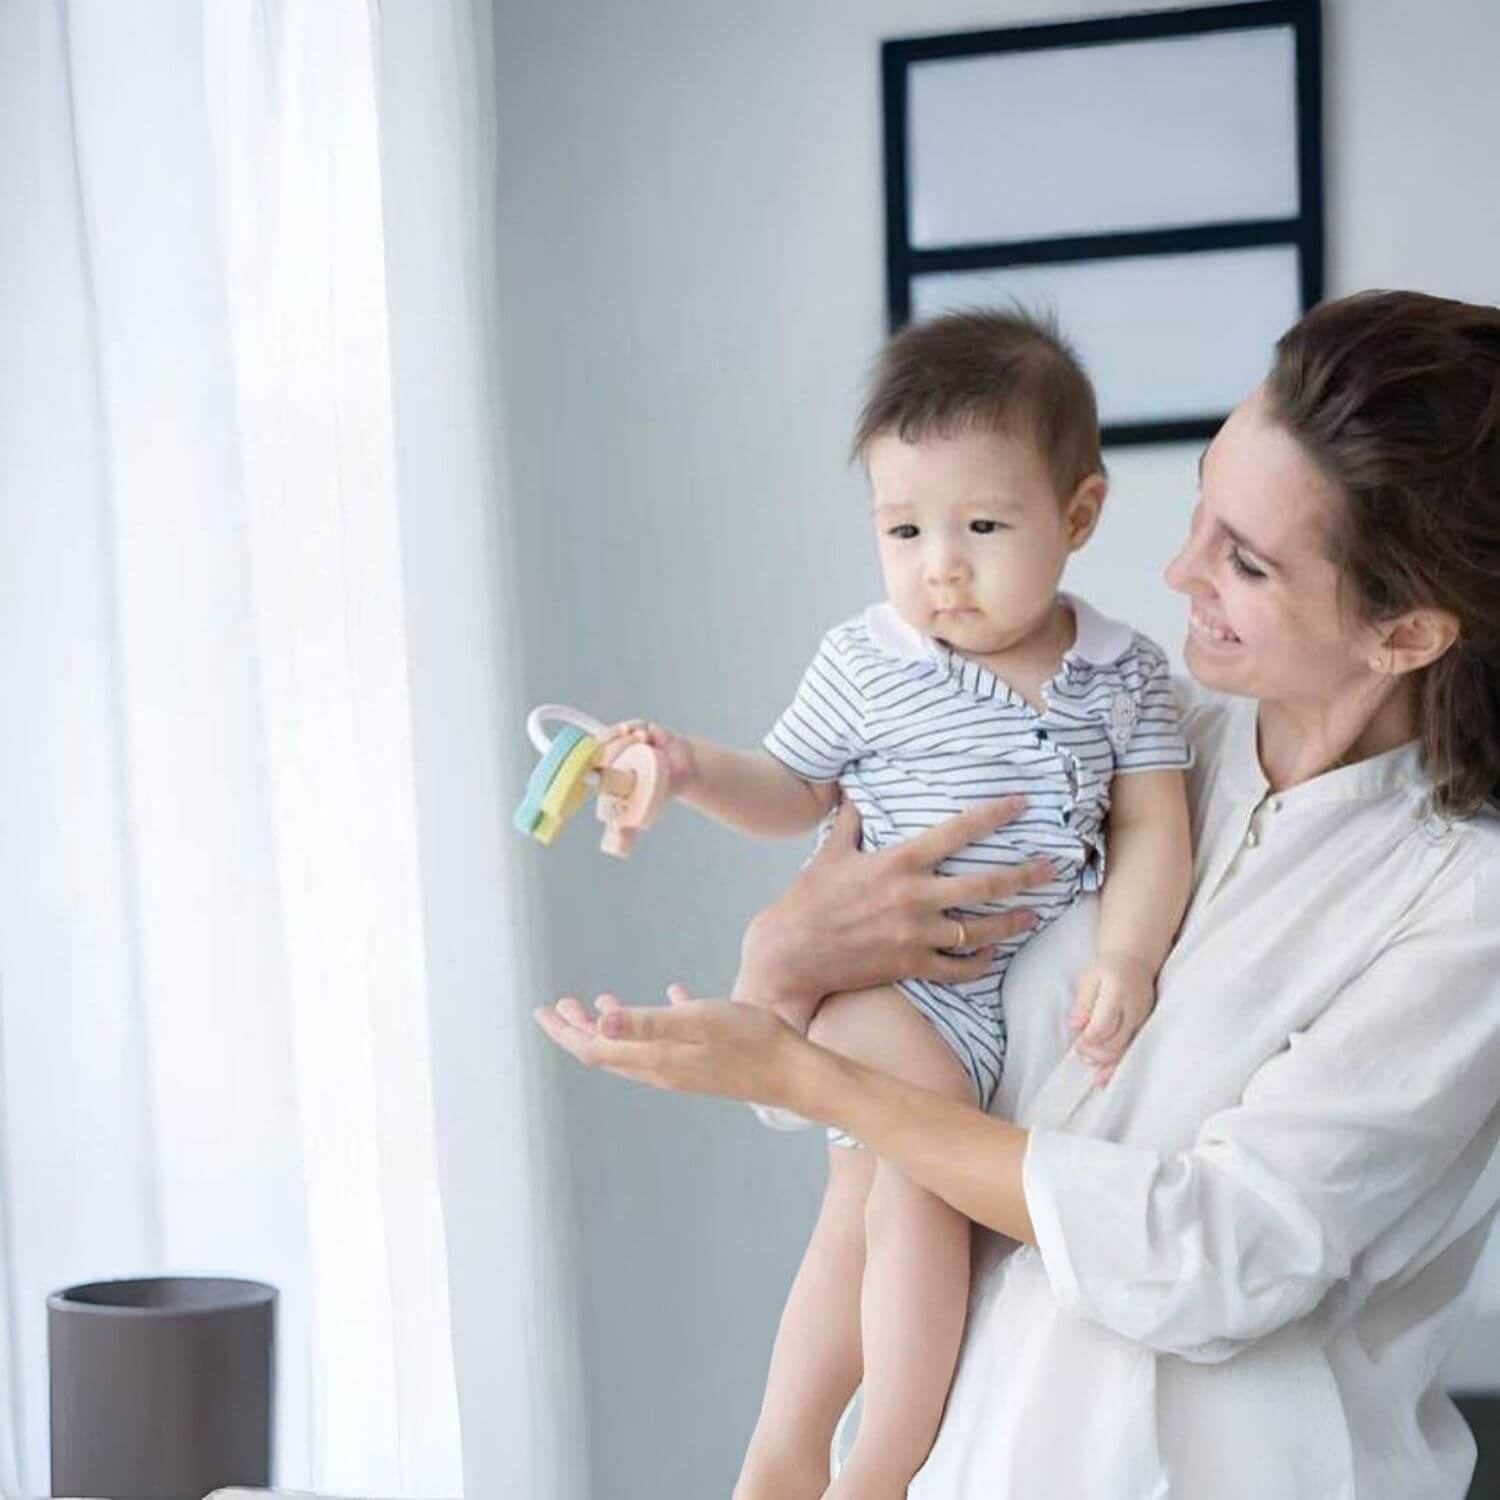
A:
[162, 1388]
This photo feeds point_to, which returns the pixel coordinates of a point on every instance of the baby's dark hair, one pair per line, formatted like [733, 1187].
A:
[984, 370]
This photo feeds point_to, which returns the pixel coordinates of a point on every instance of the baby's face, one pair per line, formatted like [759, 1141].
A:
[973, 535]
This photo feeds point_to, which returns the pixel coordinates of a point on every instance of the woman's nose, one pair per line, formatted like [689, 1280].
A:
[1185, 571]
[1189, 569]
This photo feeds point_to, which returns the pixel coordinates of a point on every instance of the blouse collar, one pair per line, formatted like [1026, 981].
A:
[1377, 776]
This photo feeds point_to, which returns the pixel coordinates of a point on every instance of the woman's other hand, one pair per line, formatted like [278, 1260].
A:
[687, 1046]
[851, 920]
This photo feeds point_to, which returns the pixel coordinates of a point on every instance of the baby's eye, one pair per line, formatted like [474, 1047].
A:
[902, 533]
[984, 528]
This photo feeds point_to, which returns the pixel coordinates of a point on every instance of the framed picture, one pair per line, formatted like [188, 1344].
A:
[1155, 180]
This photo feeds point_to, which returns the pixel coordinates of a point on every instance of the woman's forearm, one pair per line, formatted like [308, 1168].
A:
[969, 1159]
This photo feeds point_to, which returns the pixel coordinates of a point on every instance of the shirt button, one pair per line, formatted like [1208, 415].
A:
[1041, 734]
[1275, 804]
[1252, 839]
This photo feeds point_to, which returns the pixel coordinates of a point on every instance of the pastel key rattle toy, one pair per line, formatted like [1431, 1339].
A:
[631, 780]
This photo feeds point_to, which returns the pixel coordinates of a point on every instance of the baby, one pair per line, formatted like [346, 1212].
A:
[974, 679]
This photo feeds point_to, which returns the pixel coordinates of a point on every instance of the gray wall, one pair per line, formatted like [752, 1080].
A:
[691, 275]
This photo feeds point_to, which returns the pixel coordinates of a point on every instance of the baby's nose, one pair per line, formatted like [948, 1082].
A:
[947, 564]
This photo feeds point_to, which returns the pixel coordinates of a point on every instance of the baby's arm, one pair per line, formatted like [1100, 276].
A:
[792, 783]
[1140, 910]
[747, 790]
[1150, 867]
[752, 792]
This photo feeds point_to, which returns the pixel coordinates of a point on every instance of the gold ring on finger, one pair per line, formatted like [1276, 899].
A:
[962, 940]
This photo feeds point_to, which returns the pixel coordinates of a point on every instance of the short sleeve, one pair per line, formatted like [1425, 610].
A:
[819, 734]
[1146, 719]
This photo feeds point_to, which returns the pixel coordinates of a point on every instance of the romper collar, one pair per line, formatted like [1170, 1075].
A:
[1099, 640]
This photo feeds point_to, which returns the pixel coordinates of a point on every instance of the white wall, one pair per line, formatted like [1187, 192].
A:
[692, 286]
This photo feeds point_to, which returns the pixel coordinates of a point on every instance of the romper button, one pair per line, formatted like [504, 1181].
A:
[1252, 839]
[1041, 734]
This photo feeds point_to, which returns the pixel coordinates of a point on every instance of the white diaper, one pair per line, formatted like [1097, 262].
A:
[779, 1119]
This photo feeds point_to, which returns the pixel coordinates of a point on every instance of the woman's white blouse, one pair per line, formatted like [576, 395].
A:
[1252, 1244]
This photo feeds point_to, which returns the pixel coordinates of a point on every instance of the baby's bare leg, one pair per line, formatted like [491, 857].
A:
[915, 1301]
[795, 1013]
[815, 1364]
[916, 1283]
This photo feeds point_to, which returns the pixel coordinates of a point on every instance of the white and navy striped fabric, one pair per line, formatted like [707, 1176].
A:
[914, 732]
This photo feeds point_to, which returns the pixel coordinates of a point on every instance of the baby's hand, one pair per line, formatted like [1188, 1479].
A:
[1113, 999]
[675, 749]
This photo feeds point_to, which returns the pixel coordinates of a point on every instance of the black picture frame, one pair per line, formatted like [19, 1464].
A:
[1304, 231]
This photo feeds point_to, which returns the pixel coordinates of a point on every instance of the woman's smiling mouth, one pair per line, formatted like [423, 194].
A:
[1206, 630]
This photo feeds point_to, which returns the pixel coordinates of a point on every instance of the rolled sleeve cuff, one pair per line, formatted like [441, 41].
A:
[1146, 1247]
[1046, 1166]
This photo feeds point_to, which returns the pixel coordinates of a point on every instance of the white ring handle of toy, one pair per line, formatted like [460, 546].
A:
[561, 714]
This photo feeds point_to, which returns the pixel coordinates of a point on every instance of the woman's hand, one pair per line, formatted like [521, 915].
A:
[688, 1046]
[851, 920]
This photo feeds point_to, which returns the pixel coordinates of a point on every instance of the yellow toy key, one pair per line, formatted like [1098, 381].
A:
[569, 787]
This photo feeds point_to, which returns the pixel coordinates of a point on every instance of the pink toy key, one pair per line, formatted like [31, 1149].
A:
[633, 788]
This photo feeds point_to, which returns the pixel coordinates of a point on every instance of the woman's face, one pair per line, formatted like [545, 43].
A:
[1267, 620]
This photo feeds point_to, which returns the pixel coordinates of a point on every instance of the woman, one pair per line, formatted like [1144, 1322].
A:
[1235, 1269]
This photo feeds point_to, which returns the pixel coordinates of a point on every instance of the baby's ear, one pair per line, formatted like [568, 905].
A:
[1084, 509]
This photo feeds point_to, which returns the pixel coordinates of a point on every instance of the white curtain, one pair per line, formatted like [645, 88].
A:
[254, 888]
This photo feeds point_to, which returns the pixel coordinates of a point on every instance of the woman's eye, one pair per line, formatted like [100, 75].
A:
[1240, 566]
[984, 528]
[902, 533]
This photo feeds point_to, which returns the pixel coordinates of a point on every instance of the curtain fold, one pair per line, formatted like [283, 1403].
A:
[260, 953]
[515, 1276]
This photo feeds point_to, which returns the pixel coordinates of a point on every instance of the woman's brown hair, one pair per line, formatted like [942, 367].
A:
[1396, 395]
